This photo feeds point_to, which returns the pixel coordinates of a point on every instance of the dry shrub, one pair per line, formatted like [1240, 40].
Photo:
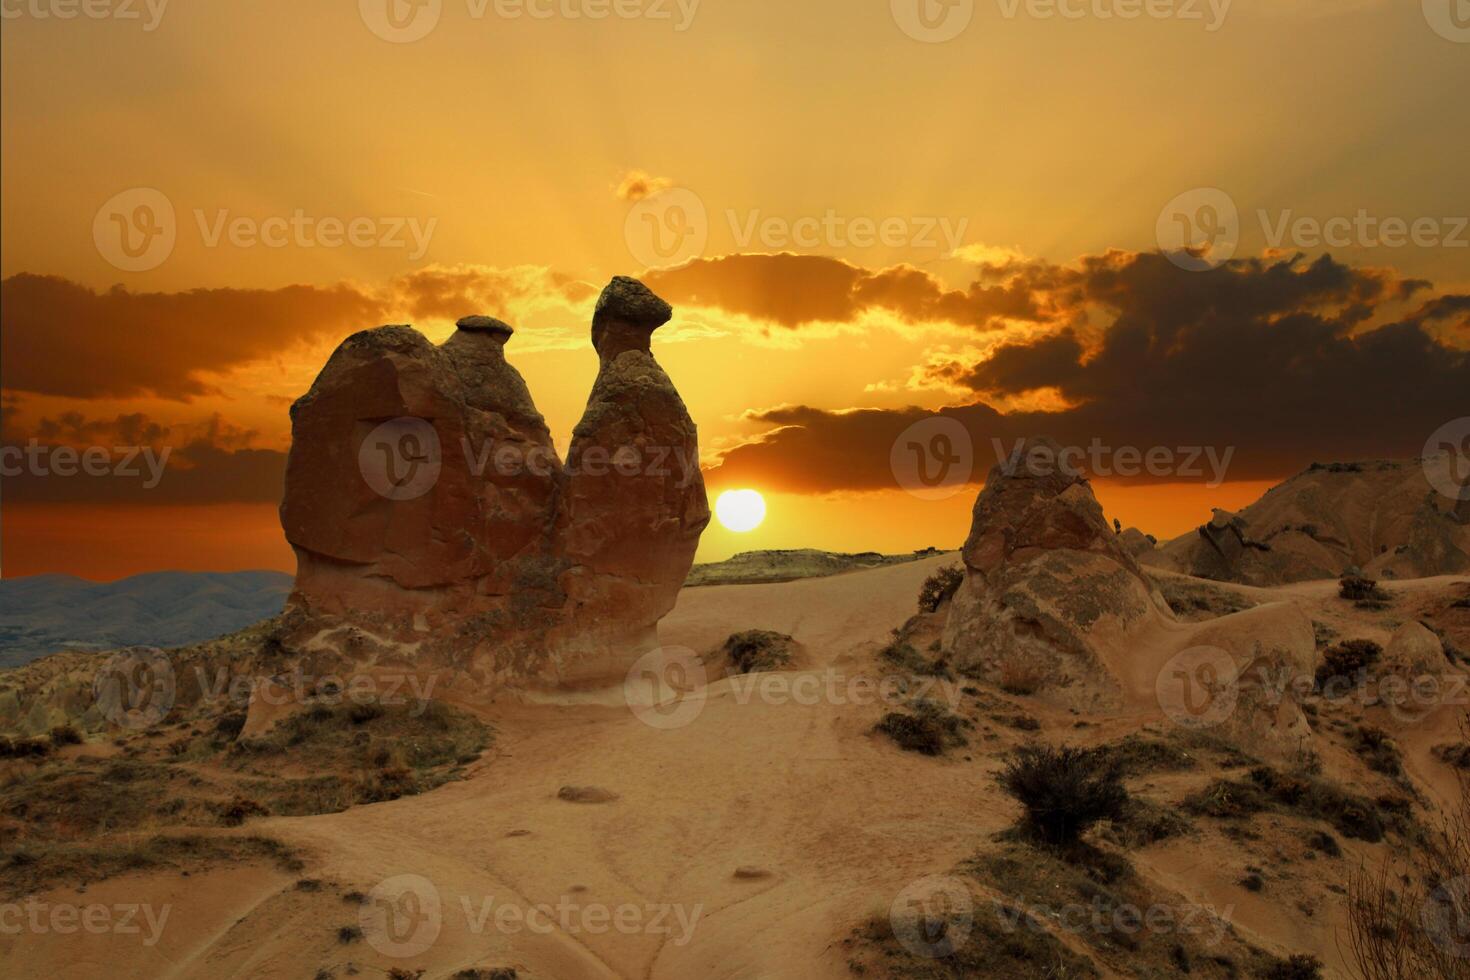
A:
[939, 588]
[1406, 919]
[1065, 791]
[1345, 665]
[1359, 589]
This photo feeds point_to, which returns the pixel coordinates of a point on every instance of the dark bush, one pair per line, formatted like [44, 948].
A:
[1065, 790]
[230, 726]
[1346, 662]
[1378, 750]
[758, 650]
[1359, 589]
[65, 735]
[939, 588]
[1300, 967]
[24, 748]
[928, 731]
[360, 713]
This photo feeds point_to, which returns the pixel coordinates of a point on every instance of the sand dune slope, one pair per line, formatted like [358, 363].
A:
[744, 843]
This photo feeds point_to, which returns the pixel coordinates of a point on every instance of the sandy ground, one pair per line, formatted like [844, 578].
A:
[826, 822]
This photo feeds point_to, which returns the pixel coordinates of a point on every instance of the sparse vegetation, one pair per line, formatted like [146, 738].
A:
[85, 817]
[1268, 789]
[1137, 755]
[1345, 665]
[758, 650]
[1000, 941]
[1298, 967]
[1064, 791]
[1194, 600]
[1378, 750]
[1365, 592]
[1144, 823]
[901, 654]
[31, 866]
[929, 730]
[939, 588]
[1406, 918]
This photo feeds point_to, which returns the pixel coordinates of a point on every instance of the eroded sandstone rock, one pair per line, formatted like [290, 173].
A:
[435, 525]
[1055, 605]
[1048, 582]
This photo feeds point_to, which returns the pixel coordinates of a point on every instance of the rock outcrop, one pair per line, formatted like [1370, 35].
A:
[1054, 604]
[1392, 519]
[1048, 582]
[635, 496]
[435, 525]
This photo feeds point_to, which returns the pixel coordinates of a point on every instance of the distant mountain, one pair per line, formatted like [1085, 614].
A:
[44, 614]
[761, 567]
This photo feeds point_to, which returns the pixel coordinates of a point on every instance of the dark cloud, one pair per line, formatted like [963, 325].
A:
[145, 462]
[60, 338]
[1270, 357]
[793, 290]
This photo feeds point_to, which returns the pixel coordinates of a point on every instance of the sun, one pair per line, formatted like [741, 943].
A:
[741, 510]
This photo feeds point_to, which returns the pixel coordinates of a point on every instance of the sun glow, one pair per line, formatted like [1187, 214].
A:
[741, 510]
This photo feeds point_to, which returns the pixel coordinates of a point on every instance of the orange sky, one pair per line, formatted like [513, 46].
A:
[504, 164]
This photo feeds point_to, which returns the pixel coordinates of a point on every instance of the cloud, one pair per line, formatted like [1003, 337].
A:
[638, 184]
[1275, 358]
[793, 290]
[61, 338]
[206, 462]
[450, 292]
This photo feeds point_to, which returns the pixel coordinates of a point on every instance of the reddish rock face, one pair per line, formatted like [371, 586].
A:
[434, 522]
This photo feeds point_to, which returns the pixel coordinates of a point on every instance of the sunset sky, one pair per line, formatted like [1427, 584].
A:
[868, 228]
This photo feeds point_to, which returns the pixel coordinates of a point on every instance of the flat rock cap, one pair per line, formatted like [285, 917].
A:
[630, 301]
[485, 324]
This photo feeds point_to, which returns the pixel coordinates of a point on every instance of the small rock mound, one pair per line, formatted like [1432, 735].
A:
[758, 650]
[586, 794]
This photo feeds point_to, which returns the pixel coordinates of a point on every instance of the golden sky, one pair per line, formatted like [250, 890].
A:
[885, 224]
